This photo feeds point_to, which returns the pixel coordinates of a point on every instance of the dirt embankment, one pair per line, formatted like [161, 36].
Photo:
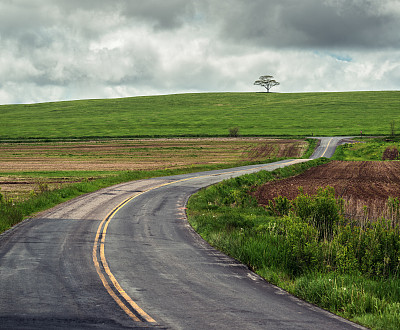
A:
[358, 183]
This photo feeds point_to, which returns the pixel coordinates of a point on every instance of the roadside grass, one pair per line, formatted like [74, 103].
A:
[308, 249]
[366, 149]
[204, 114]
[312, 145]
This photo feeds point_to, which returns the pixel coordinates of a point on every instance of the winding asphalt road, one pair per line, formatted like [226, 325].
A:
[125, 257]
[327, 145]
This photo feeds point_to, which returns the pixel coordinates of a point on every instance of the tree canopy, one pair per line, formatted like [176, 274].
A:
[266, 81]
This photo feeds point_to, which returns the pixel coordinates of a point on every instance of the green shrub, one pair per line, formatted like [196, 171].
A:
[234, 132]
[322, 210]
[280, 206]
[302, 240]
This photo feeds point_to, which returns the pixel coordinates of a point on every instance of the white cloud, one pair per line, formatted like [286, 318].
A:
[56, 50]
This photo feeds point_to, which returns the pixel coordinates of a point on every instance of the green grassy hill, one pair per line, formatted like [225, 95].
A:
[208, 114]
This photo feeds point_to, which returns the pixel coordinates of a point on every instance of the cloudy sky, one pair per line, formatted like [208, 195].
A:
[78, 49]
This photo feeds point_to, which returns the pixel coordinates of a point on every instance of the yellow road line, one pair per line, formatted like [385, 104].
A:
[104, 280]
[99, 243]
[327, 147]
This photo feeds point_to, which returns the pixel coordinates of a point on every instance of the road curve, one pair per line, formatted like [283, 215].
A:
[327, 145]
[125, 257]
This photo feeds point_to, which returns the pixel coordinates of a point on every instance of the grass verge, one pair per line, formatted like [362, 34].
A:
[13, 211]
[367, 149]
[330, 261]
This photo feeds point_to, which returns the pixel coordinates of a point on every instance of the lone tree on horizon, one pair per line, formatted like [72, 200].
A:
[266, 81]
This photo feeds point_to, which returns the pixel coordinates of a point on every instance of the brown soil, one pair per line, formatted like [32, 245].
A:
[278, 148]
[358, 183]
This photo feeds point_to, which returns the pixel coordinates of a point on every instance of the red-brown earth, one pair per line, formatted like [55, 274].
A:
[360, 184]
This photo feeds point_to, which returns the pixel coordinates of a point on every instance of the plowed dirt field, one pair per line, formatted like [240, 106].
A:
[19, 160]
[360, 184]
[142, 154]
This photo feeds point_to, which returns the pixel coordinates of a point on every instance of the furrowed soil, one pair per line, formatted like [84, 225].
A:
[361, 184]
[20, 161]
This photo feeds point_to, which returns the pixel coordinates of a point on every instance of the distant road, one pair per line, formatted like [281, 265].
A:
[328, 145]
[125, 257]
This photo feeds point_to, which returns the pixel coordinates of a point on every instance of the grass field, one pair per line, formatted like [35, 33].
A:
[206, 114]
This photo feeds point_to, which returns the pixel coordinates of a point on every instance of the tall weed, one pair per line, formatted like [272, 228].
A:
[322, 210]
[10, 214]
[394, 210]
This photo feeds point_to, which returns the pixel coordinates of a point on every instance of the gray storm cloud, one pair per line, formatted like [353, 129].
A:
[55, 49]
[309, 23]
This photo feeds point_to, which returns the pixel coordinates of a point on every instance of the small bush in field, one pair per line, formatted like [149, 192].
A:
[390, 153]
[234, 132]
[280, 206]
[42, 186]
[322, 210]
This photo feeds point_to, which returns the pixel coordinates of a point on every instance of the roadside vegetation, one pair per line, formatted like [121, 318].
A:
[369, 149]
[204, 114]
[307, 245]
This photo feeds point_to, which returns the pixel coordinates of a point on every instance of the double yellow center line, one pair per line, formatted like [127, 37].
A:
[326, 149]
[109, 281]
[103, 270]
